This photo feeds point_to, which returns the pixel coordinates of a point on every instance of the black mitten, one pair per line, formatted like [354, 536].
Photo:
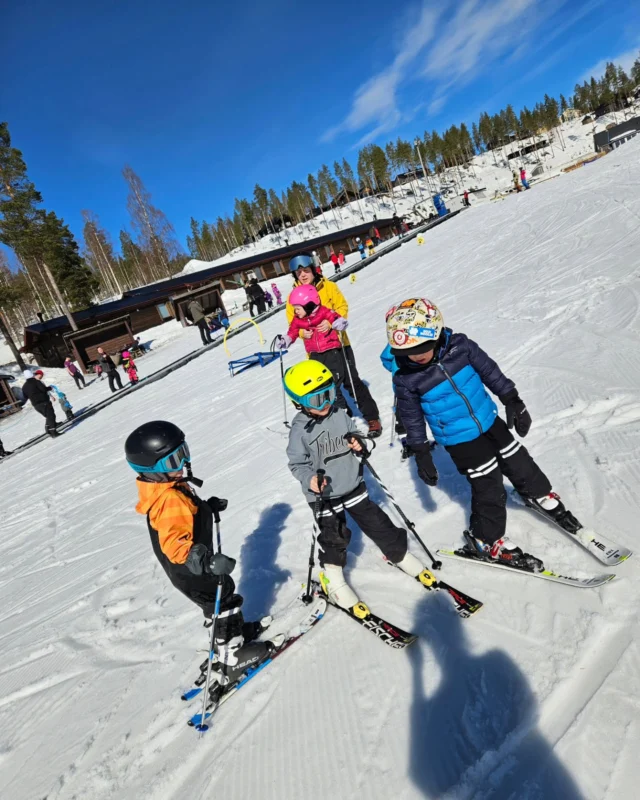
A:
[517, 415]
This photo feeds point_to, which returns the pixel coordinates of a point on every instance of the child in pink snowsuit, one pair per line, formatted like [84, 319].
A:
[320, 328]
[276, 293]
[129, 367]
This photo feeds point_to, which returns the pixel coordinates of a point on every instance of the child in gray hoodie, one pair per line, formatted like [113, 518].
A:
[321, 438]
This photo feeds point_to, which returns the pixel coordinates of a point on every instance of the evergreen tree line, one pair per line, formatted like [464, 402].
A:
[54, 273]
[54, 277]
[269, 212]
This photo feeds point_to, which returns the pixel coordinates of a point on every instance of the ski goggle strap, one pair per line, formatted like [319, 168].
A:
[174, 462]
[319, 399]
[300, 261]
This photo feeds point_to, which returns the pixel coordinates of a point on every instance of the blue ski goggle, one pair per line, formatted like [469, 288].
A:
[174, 462]
[319, 399]
[301, 261]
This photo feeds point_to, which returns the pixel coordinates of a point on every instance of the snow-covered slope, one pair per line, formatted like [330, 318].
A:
[489, 173]
[534, 698]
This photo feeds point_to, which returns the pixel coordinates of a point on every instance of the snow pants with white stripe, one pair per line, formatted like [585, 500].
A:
[334, 536]
[483, 462]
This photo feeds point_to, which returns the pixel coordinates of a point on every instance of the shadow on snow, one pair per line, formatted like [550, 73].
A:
[261, 575]
[475, 736]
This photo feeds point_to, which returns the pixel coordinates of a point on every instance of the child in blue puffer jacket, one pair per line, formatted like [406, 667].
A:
[439, 377]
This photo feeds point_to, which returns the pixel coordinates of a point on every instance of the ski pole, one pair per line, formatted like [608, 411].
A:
[284, 394]
[365, 458]
[317, 508]
[352, 388]
[393, 422]
[202, 726]
[216, 507]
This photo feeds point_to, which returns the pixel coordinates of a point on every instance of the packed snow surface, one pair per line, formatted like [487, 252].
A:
[535, 697]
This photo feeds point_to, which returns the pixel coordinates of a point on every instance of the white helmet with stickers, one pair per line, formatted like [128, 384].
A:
[414, 326]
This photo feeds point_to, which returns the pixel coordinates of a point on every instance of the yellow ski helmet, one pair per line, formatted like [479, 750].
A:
[310, 384]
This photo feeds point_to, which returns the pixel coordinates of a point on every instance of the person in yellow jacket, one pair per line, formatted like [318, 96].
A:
[305, 273]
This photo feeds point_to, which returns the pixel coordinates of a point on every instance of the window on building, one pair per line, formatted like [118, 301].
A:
[164, 312]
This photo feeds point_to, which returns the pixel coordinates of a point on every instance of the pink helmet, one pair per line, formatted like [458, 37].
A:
[302, 295]
[125, 354]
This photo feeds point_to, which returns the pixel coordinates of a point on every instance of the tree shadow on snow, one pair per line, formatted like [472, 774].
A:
[475, 736]
[261, 575]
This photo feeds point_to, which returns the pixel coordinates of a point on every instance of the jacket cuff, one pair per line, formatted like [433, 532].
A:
[509, 396]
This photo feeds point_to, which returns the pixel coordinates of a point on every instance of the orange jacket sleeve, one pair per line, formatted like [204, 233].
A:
[173, 519]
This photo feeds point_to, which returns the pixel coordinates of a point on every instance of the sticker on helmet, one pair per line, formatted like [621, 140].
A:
[399, 337]
[422, 333]
[390, 313]
[408, 303]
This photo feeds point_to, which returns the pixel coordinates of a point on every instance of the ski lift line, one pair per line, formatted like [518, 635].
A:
[184, 360]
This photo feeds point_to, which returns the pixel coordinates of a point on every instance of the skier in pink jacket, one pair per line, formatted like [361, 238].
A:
[321, 328]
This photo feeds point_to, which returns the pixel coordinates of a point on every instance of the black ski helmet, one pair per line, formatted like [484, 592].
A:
[149, 446]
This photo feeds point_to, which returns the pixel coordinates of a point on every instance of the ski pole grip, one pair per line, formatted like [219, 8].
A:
[365, 452]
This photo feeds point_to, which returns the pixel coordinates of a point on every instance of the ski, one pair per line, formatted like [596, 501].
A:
[390, 634]
[599, 546]
[546, 574]
[220, 694]
[465, 605]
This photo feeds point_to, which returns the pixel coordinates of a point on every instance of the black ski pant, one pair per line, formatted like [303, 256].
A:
[78, 377]
[357, 389]
[334, 361]
[484, 461]
[113, 378]
[334, 535]
[205, 334]
[46, 409]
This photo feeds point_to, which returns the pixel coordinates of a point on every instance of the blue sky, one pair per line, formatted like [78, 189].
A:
[204, 99]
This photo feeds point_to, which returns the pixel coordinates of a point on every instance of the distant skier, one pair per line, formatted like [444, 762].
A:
[340, 260]
[441, 378]
[276, 293]
[316, 259]
[361, 249]
[523, 178]
[37, 392]
[268, 299]
[320, 439]
[196, 310]
[65, 405]
[369, 245]
[181, 528]
[129, 366]
[75, 373]
[516, 181]
[465, 199]
[109, 366]
[335, 262]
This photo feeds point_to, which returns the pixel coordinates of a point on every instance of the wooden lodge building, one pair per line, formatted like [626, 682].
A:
[114, 325]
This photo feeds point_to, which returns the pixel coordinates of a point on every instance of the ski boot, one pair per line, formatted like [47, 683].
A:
[503, 551]
[375, 428]
[551, 506]
[235, 657]
[340, 593]
[414, 568]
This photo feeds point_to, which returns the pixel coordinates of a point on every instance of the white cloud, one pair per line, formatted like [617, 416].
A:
[375, 102]
[624, 60]
[441, 49]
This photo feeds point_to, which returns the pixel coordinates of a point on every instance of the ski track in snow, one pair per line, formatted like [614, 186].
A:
[536, 697]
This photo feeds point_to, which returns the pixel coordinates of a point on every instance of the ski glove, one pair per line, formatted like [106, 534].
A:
[426, 468]
[283, 342]
[217, 504]
[517, 415]
[221, 564]
[340, 324]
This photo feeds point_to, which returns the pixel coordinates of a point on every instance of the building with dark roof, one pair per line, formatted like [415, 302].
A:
[151, 305]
